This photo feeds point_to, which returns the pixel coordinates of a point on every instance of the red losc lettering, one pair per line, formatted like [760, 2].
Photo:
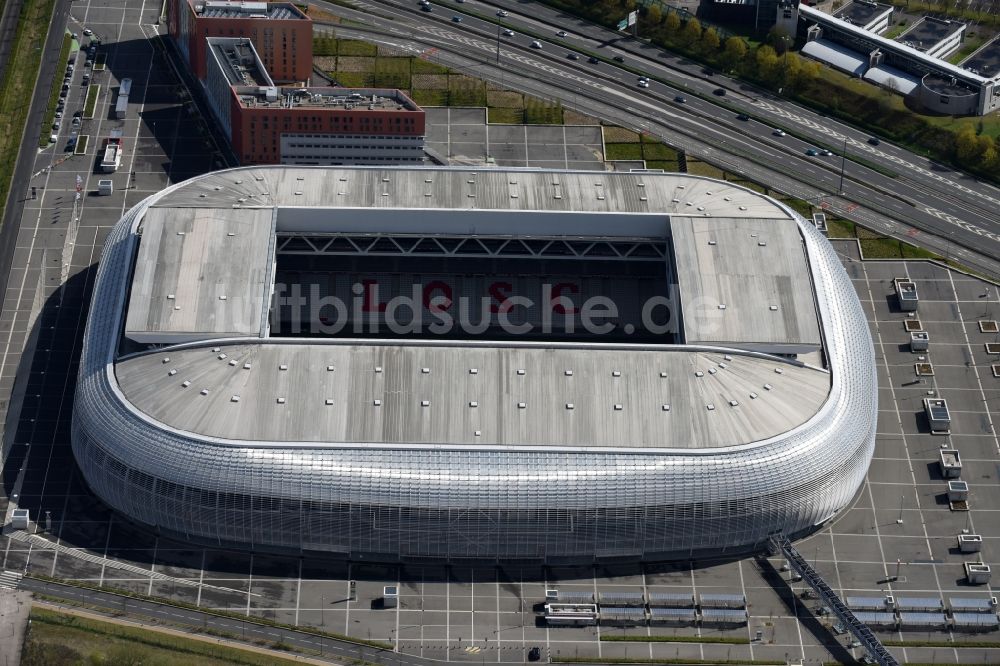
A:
[429, 290]
[497, 292]
[557, 291]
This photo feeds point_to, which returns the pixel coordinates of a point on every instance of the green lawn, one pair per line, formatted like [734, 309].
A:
[62, 639]
[622, 151]
[91, 105]
[18, 82]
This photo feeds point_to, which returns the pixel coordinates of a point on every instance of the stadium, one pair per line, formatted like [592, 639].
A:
[448, 363]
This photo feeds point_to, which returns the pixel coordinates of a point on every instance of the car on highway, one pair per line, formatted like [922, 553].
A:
[427, 7]
[812, 152]
[874, 140]
[456, 18]
[778, 132]
[743, 117]
[643, 84]
[572, 56]
[88, 32]
[562, 33]
[721, 92]
[680, 99]
[501, 12]
[593, 60]
[508, 33]
[536, 44]
[534, 654]
[619, 59]
[825, 152]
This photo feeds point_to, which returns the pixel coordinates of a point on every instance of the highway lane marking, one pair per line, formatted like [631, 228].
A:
[834, 134]
[979, 231]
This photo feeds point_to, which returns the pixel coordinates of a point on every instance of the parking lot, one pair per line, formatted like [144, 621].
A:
[462, 612]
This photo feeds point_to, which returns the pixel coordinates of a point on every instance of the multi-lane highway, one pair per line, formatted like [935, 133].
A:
[908, 196]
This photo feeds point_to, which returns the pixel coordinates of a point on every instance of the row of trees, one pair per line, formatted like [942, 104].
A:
[772, 65]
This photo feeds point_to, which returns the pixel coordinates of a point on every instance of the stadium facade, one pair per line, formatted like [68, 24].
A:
[747, 409]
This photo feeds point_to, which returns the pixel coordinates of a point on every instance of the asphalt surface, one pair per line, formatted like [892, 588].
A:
[929, 199]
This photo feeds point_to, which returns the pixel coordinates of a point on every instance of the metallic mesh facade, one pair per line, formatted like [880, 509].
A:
[478, 503]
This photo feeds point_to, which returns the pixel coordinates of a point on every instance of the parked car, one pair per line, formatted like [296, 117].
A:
[88, 32]
[534, 654]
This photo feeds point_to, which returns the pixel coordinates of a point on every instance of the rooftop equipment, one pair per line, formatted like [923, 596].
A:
[919, 341]
[977, 573]
[938, 415]
[950, 462]
[970, 543]
[906, 292]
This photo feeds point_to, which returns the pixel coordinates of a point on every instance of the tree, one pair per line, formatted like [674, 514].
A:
[672, 23]
[710, 40]
[654, 15]
[967, 146]
[692, 31]
[734, 53]
[767, 63]
[990, 158]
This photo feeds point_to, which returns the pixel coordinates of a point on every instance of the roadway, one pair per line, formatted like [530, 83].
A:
[924, 198]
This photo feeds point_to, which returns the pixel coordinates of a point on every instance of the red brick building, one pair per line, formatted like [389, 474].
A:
[269, 124]
[280, 32]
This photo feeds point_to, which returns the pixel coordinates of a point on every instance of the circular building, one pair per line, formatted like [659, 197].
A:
[393, 363]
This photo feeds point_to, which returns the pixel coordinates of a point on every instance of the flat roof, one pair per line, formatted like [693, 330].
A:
[239, 61]
[744, 283]
[200, 273]
[329, 394]
[928, 32]
[861, 13]
[370, 99]
[242, 9]
[986, 60]
[836, 55]
[297, 189]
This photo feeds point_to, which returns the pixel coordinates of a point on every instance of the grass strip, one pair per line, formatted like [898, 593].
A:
[50, 109]
[145, 645]
[92, 92]
[252, 619]
[19, 79]
[675, 639]
[81, 144]
[667, 660]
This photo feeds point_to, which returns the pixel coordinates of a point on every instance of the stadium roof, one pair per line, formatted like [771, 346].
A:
[206, 257]
[309, 402]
